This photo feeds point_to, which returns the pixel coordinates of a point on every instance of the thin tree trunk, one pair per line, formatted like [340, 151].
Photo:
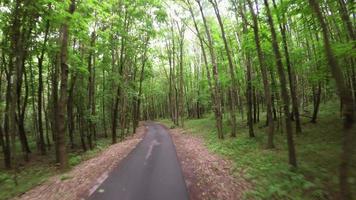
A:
[217, 107]
[40, 91]
[284, 91]
[231, 68]
[263, 67]
[247, 58]
[291, 75]
[181, 75]
[201, 42]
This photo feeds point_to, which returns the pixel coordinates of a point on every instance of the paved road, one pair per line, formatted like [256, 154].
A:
[150, 172]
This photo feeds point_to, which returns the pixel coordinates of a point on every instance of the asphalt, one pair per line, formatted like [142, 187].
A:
[150, 172]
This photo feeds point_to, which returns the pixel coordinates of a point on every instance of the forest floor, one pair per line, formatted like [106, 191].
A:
[267, 171]
[207, 175]
[76, 183]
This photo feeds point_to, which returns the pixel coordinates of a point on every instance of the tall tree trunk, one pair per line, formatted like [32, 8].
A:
[103, 105]
[42, 144]
[217, 106]
[316, 99]
[91, 91]
[291, 75]
[142, 76]
[63, 98]
[284, 91]
[249, 89]
[263, 67]
[231, 68]
[21, 120]
[15, 73]
[7, 145]
[201, 42]
[70, 114]
[181, 75]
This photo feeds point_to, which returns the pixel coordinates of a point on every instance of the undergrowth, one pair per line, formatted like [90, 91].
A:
[318, 149]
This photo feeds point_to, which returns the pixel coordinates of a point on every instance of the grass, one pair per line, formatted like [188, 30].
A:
[40, 168]
[318, 150]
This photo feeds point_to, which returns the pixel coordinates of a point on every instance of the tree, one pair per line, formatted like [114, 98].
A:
[284, 91]
[62, 102]
[217, 106]
[348, 107]
[263, 68]
[231, 67]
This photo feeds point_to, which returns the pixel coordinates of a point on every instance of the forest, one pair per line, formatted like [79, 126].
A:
[267, 84]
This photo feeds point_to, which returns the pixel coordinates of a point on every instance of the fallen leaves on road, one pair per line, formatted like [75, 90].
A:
[208, 176]
[85, 176]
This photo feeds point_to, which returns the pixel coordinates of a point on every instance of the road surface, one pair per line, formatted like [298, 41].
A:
[150, 172]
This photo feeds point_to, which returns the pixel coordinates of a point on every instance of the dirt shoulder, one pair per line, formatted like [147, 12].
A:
[208, 176]
[84, 178]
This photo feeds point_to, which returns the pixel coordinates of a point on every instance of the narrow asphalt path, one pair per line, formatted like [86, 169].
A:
[150, 172]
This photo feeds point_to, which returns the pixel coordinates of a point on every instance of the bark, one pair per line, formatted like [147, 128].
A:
[316, 101]
[20, 118]
[174, 86]
[7, 145]
[255, 105]
[181, 75]
[103, 105]
[170, 94]
[15, 72]
[70, 114]
[46, 114]
[63, 98]
[91, 91]
[54, 106]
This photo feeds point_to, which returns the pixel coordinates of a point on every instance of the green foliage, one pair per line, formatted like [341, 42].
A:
[74, 159]
[12, 183]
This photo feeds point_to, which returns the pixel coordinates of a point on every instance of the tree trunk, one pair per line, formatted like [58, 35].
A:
[316, 98]
[291, 75]
[63, 98]
[284, 91]
[201, 42]
[70, 114]
[42, 144]
[181, 75]
[263, 67]
[231, 68]
[247, 61]
[91, 92]
[217, 106]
